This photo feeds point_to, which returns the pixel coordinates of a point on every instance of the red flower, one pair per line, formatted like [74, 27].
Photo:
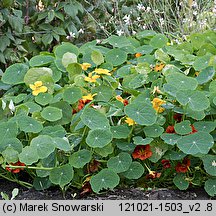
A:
[142, 152]
[81, 104]
[93, 166]
[178, 117]
[16, 170]
[193, 129]
[166, 164]
[125, 102]
[170, 129]
[184, 166]
[153, 175]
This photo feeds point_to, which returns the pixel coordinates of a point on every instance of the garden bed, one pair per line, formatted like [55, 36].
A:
[117, 194]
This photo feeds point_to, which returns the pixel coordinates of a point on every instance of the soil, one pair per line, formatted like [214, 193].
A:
[117, 194]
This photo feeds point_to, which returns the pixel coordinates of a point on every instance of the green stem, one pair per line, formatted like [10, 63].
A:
[29, 167]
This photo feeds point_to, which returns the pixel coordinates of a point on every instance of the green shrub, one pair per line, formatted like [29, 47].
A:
[135, 110]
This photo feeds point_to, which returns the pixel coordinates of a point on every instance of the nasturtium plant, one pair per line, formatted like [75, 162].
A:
[129, 110]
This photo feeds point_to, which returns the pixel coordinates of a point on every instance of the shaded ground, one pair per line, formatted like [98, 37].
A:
[117, 194]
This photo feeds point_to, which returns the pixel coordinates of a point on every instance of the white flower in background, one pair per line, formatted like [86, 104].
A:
[140, 7]
[161, 21]
[148, 9]
[194, 4]
[4, 104]
[134, 32]
[195, 13]
[11, 106]
[81, 31]
[144, 27]
[71, 35]
[138, 19]
[126, 19]
[120, 32]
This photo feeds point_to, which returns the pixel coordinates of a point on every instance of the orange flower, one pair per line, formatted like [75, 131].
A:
[153, 175]
[137, 55]
[130, 121]
[184, 166]
[124, 101]
[16, 170]
[166, 164]
[159, 67]
[194, 130]
[142, 152]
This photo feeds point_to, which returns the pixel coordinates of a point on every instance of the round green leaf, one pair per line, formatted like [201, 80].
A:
[69, 58]
[116, 56]
[170, 139]
[142, 113]
[65, 47]
[61, 143]
[206, 126]
[205, 75]
[8, 130]
[28, 155]
[54, 131]
[105, 179]
[120, 131]
[138, 140]
[180, 181]
[201, 62]
[214, 100]
[44, 145]
[41, 183]
[97, 57]
[80, 159]
[43, 98]
[199, 142]
[144, 49]
[105, 151]
[29, 124]
[181, 81]
[183, 127]
[10, 155]
[210, 186]
[94, 119]
[73, 69]
[209, 162]
[51, 113]
[104, 93]
[41, 60]
[37, 74]
[153, 130]
[15, 73]
[135, 171]
[118, 41]
[99, 138]
[161, 56]
[196, 100]
[158, 41]
[12, 143]
[65, 107]
[120, 163]
[33, 107]
[158, 150]
[72, 94]
[174, 155]
[61, 175]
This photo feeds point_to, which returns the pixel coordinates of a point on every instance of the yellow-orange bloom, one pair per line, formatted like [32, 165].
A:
[85, 66]
[102, 71]
[37, 88]
[119, 98]
[159, 67]
[157, 102]
[89, 97]
[91, 78]
[130, 121]
[137, 55]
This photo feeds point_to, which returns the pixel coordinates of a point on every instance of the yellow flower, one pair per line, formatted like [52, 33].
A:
[37, 88]
[196, 73]
[157, 102]
[130, 121]
[119, 98]
[102, 71]
[89, 97]
[91, 78]
[85, 66]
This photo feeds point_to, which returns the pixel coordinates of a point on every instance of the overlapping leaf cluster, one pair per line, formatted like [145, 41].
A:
[50, 135]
